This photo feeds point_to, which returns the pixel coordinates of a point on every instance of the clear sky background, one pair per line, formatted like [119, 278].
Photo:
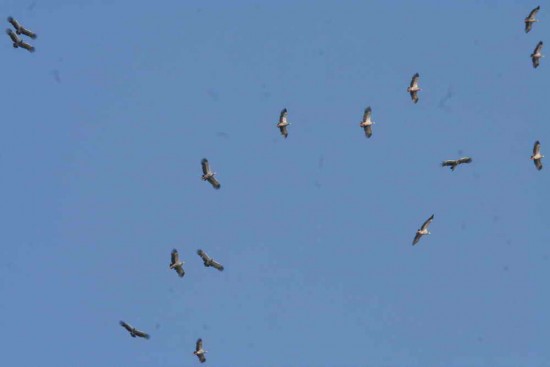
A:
[104, 127]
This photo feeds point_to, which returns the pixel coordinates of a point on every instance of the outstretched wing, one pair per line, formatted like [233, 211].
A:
[215, 184]
[536, 148]
[538, 49]
[27, 32]
[180, 271]
[366, 114]
[368, 131]
[448, 163]
[533, 13]
[141, 334]
[198, 346]
[216, 265]
[414, 80]
[26, 46]
[13, 36]
[202, 358]
[414, 96]
[464, 160]
[204, 256]
[528, 26]
[538, 163]
[15, 24]
[175, 257]
[126, 326]
[284, 131]
[283, 116]
[205, 166]
[427, 222]
[416, 238]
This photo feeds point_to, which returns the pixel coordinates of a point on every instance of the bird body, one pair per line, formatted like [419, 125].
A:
[537, 156]
[283, 122]
[367, 123]
[423, 230]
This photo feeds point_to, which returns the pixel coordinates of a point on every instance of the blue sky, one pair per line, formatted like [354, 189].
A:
[104, 127]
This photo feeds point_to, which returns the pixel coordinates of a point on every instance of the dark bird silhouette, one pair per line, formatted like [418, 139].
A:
[199, 352]
[19, 29]
[423, 230]
[367, 123]
[283, 123]
[537, 55]
[18, 42]
[531, 19]
[176, 264]
[537, 156]
[133, 331]
[454, 163]
[208, 261]
[413, 89]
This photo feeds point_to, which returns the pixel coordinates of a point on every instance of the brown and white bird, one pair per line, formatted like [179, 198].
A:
[531, 19]
[537, 157]
[537, 55]
[18, 42]
[413, 89]
[19, 29]
[208, 261]
[133, 331]
[176, 264]
[367, 123]
[199, 352]
[208, 175]
[283, 123]
[454, 163]
[423, 230]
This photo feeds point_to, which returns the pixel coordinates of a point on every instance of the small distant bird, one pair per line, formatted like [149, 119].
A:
[367, 123]
[199, 352]
[537, 54]
[133, 331]
[176, 264]
[413, 89]
[18, 42]
[454, 163]
[423, 230]
[208, 261]
[283, 123]
[19, 29]
[531, 19]
[208, 175]
[536, 157]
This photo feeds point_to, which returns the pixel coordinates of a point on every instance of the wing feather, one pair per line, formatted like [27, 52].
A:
[215, 184]
[538, 163]
[126, 326]
[414, 80]
[198, 345]
[427, 222]
[465, 160]
[536, 148]
[414, 96]
[205, 166]
[283, 116]
[368, 131]
[367, 114]
[284, 131]
[175, 256]
[216, 265]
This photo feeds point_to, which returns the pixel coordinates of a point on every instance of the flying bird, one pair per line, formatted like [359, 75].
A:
[208, 261]
[537, 157]
[19, 29]
[283, 123]
[176, 264]
[367, 123]
[454, 163]
[413, 89]
[423, 230]
[199, 352]
[537, 54]
[18, 42]
[208, 175]
[531, 19]
[133, 331]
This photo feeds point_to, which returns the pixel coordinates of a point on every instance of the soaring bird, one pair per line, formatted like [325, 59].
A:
[15, 39]
[367, 123]
[208, 175]
[176, 264]
[536, 157]
[537, 54]
[454, 163]
[423, 230]
[531, 19]
[413, 89]
[133, 331]
[283, 123]
[199, 352]
[19, 29]
[208, 261]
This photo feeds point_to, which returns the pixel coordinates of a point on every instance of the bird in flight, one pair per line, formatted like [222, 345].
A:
[133, 331]
[176, 264]
[531, 19]
[208, 261]
[537, 55]
[423, 230]
[18, 42]
[283, 123]
[367, 123]
[19, 29]
[454, 163]
[413, 89]
[208, 175]
[537, 157]
[199, 352]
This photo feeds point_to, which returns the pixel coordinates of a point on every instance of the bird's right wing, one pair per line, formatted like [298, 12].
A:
[366, 114]
[198, 346]
[284, 131]
[414, 96]
[13, 36]
[465, 160]
[203, 255]
[427, 222]
[14, 23]
[125, 325]
[174, 257]
[216, 265]
[26, 46]
[448, 163]
[538, 163]
[416, 238]
[283, 116]
[141, 334]
[536, 148]
[202, 358]
[215, 184]
[28, 32]
[205, 166]
[414, 80]
[368, 131]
